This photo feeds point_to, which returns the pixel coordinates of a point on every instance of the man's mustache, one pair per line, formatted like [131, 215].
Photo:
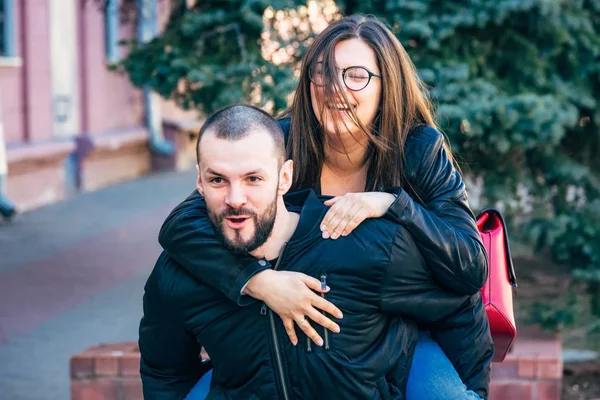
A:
[236, 212]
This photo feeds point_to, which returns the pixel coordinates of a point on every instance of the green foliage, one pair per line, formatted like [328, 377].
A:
[556, 316]
[209, 56]
[517, 84]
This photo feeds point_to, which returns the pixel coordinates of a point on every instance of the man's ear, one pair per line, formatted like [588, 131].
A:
[286, 175]
[199, 181]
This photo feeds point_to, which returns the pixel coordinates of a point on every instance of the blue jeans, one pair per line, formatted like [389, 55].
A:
[200, 391]
[432, 376]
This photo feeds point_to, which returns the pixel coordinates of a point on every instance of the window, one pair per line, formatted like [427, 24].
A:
[7, 34]
[2, 34]
[112, 31]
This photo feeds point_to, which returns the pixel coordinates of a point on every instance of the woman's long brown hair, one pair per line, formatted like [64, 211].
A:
[404, 104]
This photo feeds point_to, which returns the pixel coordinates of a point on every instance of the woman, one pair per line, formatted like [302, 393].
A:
[361, 129]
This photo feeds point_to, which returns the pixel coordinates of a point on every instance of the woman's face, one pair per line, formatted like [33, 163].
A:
[349, 53]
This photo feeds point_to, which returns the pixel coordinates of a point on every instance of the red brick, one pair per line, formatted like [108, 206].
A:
[82, 366]
[547, 390]
[95, 390]
[527, 367]
[130, 365]
[509, 390]
[550, 369]
[132, 389]
[106, 365]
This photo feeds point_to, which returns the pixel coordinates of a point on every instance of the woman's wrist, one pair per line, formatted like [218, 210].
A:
[255, 286]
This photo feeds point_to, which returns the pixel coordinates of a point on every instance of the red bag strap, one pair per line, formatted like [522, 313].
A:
[496, 214]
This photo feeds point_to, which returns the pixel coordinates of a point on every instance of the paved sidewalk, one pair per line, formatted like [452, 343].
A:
[72, 276]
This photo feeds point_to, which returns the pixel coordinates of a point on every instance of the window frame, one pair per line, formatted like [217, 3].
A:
[112, 28]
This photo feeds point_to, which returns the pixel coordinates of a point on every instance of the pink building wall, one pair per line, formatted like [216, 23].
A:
[12, 93]
[108, 100]
[110, 110]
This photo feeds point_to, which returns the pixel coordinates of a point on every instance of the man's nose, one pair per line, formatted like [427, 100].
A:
[236, 197]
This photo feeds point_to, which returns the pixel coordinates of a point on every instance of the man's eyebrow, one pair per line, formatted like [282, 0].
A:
[213, 172]
[259, 171]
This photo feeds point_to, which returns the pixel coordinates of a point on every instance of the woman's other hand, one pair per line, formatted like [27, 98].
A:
[350, 210]
[289, 295]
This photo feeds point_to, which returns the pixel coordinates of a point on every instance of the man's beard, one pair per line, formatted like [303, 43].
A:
[263, 226]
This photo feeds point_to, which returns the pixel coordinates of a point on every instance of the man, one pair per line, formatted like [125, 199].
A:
[377, 277]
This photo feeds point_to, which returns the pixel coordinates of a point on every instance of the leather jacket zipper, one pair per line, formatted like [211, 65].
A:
[278, 360]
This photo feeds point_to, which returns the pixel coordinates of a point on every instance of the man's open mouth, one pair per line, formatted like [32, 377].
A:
[236, 222]
[237, 219]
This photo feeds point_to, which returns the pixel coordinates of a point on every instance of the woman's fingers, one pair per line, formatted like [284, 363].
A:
[312, 283]
[327, 306]
[322, 320]
[334, 217]
[288, 323]
[309, 330]
[350, 220]
[310, 308]
[333, 200]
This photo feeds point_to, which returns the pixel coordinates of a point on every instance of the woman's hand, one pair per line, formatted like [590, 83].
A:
[350, 210]
[289, 295]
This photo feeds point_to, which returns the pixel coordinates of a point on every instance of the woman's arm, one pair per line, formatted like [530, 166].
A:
[441, 222]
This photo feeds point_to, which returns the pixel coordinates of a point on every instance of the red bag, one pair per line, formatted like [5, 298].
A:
[497, 292]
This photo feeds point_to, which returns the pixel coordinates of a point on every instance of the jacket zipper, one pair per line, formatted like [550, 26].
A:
[326, 333]
[323, 287]
[278, 361]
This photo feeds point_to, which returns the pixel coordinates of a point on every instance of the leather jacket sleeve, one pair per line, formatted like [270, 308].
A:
[187, 236]
[441, 221]
[458, 323]
[170, 365]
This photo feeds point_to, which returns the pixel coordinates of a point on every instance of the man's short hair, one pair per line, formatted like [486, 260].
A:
[237, 121]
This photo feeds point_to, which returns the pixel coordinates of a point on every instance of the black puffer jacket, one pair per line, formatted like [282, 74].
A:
[375, 275]
[442, 225]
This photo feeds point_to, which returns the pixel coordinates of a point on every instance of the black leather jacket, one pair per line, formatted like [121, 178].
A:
[442, 225]
[376, 275]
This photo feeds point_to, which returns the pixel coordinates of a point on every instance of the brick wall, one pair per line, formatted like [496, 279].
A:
[107, 372]
[532, 371]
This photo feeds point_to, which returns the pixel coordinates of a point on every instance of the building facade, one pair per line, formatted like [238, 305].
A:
[70, 123]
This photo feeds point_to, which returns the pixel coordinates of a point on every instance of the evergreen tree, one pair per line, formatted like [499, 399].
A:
[517, 84]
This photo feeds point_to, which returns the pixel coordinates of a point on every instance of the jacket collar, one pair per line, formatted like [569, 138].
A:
[311, 211]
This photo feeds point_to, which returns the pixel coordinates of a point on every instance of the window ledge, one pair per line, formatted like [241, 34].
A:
[10, 62]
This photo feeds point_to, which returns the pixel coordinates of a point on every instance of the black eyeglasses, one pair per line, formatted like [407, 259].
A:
[355, 78]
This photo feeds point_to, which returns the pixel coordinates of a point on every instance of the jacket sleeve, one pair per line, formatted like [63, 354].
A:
[440, 219]
[408, 289]
[458, 323]
[188, 236]
[170, 365]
